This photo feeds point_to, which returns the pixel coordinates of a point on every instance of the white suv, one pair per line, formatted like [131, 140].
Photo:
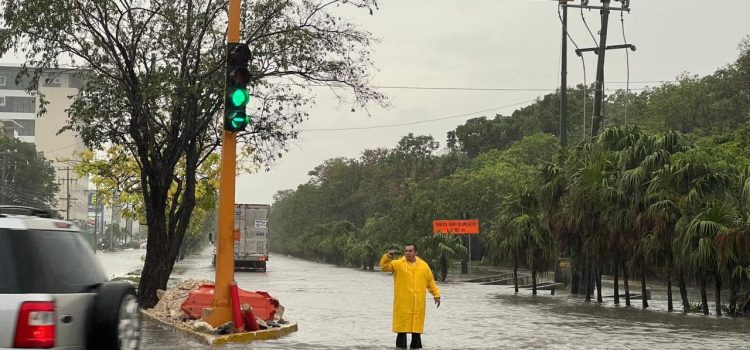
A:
[53, 293]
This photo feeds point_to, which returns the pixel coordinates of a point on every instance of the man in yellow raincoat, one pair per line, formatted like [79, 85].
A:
[412, 277]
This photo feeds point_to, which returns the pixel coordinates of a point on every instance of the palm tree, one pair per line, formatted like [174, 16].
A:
[706, 211]
[589, 170]
[639, 157]
[541, 252]
[550, 195]
[440, 250]
[508, 240]
[506, 243]
[733, 245]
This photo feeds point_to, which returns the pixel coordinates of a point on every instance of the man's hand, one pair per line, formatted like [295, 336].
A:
[391, 253]
[437, 301]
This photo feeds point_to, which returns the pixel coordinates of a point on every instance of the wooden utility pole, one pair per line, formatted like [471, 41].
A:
[564, 77]
[221, 309]
[596, 119]
[67, 198]
[2, 177]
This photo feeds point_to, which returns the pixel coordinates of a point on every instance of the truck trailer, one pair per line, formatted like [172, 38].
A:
[250, 237]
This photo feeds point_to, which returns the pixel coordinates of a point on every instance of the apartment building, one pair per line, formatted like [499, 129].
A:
[18, 112]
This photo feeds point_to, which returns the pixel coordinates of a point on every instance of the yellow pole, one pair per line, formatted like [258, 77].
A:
[221, 310]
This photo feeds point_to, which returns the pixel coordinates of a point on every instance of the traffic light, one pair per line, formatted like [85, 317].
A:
[236, 95]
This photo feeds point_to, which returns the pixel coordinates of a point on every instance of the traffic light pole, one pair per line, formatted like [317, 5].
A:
[221, 310]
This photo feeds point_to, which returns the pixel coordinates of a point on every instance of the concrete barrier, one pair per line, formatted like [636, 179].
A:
[221, 339]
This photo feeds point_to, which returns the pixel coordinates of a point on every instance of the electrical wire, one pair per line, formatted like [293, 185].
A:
[457, 88]
[420, 121]
[596, 44]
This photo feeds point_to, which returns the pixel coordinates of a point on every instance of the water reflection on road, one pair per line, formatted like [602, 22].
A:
[341, 308]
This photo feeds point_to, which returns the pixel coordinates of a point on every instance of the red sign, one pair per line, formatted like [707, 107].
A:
[456, 227]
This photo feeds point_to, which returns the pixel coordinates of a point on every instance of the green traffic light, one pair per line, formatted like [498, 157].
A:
[239, 120]
[239, 97]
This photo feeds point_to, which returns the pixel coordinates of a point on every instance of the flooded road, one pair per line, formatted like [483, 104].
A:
[341, 308]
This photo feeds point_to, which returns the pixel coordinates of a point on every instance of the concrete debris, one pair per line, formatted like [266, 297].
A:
[168, 309]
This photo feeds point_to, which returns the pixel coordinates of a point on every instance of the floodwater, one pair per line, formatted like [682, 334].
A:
[342, 308]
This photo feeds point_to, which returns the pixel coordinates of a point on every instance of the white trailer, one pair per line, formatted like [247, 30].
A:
[250, 236]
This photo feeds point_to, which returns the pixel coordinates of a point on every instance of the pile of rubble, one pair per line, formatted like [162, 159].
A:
[169, 309]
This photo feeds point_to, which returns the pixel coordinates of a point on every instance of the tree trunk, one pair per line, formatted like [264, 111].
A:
[515, 274]
[167, 220]
[616, 276]
[644, 296]
[670, 306]
[533, 281]
[733, 299]
[718, 295]
[625, 283]
[683, 294]
[443, 267]
[599, 286]
[575, 280]
[465, 261]
[704, 298]
[587, 279]
[155, 272]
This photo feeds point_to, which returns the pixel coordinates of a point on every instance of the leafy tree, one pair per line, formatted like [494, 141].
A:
[153, 75]
[27, 177]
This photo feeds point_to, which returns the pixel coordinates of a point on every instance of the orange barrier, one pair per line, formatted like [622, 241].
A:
[263, 304]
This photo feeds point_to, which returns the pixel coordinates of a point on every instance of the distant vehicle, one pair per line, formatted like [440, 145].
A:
[53, 292]
[250, 237]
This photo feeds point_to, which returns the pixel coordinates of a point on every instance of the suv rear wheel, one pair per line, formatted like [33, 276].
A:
[116, 319]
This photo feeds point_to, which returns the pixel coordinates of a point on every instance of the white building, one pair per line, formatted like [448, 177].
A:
[18, 112]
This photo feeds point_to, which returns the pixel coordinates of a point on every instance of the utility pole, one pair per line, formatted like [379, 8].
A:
[597, 117]
[67, 199]
[564, 77]
[96, 219]
[2, 191]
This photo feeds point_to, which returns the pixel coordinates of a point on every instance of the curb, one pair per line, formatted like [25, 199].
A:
[221, 339]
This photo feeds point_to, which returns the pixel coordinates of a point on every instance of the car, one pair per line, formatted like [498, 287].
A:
[53, 291]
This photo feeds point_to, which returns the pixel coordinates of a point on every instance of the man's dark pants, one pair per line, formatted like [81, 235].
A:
[416, 341]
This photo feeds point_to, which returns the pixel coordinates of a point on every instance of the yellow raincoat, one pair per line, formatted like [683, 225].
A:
[410, 280]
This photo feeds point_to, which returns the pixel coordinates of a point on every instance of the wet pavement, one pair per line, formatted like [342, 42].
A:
[342, 308]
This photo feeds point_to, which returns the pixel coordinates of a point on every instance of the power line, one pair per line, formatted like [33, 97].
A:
[421, 121]
[470, 88]
[589, 29]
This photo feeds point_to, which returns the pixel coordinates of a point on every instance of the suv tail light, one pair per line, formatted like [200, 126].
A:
[36, 325]
[262, 258]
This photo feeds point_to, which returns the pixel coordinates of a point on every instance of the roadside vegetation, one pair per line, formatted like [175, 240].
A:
[662, 192]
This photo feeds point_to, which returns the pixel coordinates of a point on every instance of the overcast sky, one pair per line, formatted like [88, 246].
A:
[497, 44]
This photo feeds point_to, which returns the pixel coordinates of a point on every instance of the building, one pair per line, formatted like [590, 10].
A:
[18, 112]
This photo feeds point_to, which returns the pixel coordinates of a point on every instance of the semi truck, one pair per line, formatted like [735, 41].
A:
[250, 237]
